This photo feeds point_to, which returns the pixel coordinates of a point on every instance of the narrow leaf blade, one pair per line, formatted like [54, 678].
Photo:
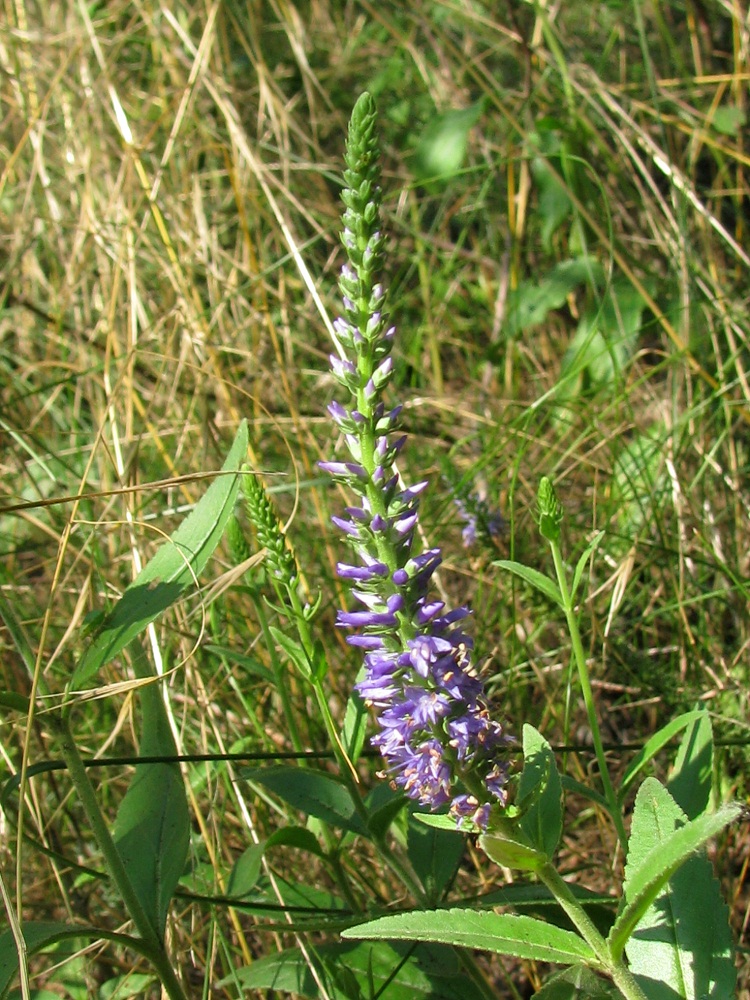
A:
[503, 934]
[532, 576]
[172, 570]
[691, 779]
[654, 745]
[682, 945]
[312, 792]
[655, 855]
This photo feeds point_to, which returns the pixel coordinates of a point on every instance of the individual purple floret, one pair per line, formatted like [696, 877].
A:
[435, 732]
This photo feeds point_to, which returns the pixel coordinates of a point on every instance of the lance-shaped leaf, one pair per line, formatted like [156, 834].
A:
[172, 570]
[658, 847]
[152, 829]
[502, 933]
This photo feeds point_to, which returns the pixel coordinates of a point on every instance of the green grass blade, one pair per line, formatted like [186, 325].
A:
[655, 744]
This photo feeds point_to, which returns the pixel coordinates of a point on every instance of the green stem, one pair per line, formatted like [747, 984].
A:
[618, 972]
[282, 688]
[588, 694]
[151, 940]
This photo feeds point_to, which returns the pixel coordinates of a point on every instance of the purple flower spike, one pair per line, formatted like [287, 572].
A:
[434, 729]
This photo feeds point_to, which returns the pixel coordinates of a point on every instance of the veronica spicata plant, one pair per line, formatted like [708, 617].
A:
[436, 734]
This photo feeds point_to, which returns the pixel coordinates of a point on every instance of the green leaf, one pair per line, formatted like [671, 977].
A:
[654, 745]
[384, 812]
[441, 149]
[538, 580]
[305, 901]
[435, 855]
[355, 723]
[640, 480]
[507, 845]
[656, 850]
[152, 827]
[728, 120]
[691, 778]
[246, 871]
[250, 664]
[389, 971]
[531, 303]
[152, 833]
[577, 983]
[172, 570]
[294, 650]
[503, 934]
[682, 945]
[15, 702]
[247, 868]
[554, 202]
[541, 822]
[296, 836]
[606, 338]
[578, 788]
[441, 821]
[130, 986]
[314, 793]
[39, 934]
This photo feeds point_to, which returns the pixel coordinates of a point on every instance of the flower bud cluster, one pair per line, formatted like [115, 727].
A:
[435, 732]
[279, 560]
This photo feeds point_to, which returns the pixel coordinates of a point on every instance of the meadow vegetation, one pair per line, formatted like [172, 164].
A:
[566, 192]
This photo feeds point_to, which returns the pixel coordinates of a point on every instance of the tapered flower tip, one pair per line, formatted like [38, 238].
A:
[364, 107]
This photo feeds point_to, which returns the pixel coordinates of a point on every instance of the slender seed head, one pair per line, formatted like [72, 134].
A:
[279, 558]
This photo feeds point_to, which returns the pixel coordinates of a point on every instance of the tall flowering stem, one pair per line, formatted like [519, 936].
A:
[435, 732]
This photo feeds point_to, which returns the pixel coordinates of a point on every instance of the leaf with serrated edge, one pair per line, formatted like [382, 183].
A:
[501, 933]
[682, 946]
[659, 861]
